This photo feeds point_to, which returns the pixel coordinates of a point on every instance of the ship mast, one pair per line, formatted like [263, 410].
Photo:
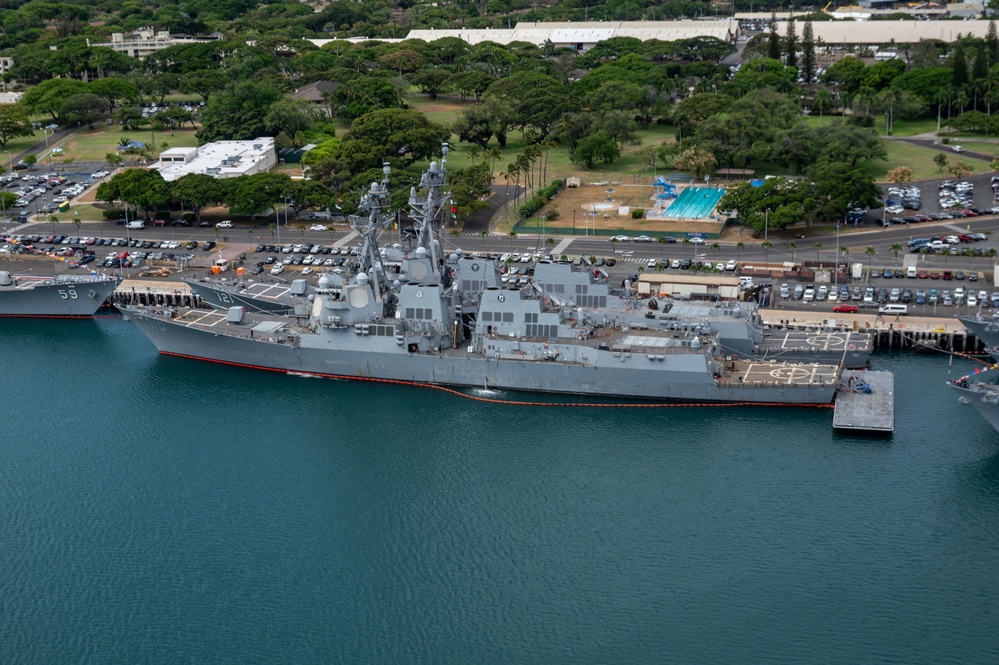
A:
[427, 210]
[376, 202]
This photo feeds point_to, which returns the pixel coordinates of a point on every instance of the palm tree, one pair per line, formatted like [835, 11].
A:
[661, 241]
[823, 101]
[473, 151]
[716, 246]
[272, 226]
[492, 153]
[739, 246]
[686, 244]
[870, 252]
[513, 236]
[482, 234]
[791, 246]
[767, 245]
[549, 243]
[818, 248]
[896, 247]
[301, 230]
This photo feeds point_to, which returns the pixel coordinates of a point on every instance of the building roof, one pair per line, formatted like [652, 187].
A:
[588, 32]
[709, 280]
[884, 32]
[313, 92]
[222, 159]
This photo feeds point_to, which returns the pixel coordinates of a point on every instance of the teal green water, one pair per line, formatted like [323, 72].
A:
[160, 510]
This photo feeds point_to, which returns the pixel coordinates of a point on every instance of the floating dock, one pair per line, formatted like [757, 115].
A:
[865, 401]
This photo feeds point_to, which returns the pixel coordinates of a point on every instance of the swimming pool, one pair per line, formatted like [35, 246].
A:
[694, 203]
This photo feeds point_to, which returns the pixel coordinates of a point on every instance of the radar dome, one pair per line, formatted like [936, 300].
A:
[362, 278]
[421, 252]
[324, 282]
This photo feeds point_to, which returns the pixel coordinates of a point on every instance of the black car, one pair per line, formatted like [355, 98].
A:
[899, 273]
[886, 273]
[269, 260]
[208, 245]
[257, 270]
[121, 221]
[685, 264]
[259, 248]
[180, 222]
[205, 224]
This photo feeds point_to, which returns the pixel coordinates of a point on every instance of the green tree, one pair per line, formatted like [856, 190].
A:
[901, 175]
[791, 246]
[83, 109]
[237, 113]
[791, 44]
[144, 189]
[49, 96]
[940, 159]
[204, 82]
[198, 191]
[113, 92]
[14, 123]
[959, 66]
[597, 147]
[808, 52]
[773, 39]
[403, 136]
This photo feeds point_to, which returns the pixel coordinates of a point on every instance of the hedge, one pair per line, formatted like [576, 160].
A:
[543, 196]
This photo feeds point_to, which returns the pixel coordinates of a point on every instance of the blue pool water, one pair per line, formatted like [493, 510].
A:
[695, 202]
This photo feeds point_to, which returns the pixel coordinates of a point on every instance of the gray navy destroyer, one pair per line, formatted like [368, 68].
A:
[737, 326]
[62, 296]
[981, 391]
[449, 321]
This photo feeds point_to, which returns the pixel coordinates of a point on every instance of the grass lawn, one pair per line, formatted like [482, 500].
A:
[984, 147]
[20, 144]
[917, 158]
[93, 144]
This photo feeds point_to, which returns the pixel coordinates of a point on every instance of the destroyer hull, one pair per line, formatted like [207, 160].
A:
[986, 331]
[55, 300]
[226, 297]
[984, 401]
[683, 379]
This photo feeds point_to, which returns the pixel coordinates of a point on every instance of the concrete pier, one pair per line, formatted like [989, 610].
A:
[154, 292]
[865, 401]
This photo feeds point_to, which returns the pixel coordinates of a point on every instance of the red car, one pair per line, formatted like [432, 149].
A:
[923, 274]
[846, 309]
[934, 275]
[159, 222]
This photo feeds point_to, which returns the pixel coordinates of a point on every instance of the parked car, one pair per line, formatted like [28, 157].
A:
[845, 309]
[224, 224]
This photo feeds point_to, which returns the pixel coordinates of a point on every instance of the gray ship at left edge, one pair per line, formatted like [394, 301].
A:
[61, 296]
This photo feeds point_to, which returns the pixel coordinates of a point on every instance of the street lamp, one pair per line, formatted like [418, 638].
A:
[766, 225]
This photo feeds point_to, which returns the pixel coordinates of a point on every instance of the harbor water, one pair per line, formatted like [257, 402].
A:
[161, 510]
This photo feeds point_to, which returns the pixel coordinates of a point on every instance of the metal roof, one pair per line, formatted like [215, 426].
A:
[885, 32]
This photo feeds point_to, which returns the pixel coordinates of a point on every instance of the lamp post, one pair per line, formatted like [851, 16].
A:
[766, 225]
[836, 264]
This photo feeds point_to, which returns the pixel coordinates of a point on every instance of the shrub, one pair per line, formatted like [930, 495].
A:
[637, 213]
[540, 198]
[114, 213]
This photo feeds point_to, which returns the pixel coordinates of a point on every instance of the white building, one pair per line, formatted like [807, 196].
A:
[141, 43]
[583, 35]
[222, 159]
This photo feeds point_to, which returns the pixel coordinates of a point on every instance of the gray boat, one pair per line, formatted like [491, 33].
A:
[62, 296]
[981, 391]
[445, 321]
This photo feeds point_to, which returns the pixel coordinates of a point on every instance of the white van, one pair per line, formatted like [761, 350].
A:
[911, 272]
[137, 224]
[894, 310]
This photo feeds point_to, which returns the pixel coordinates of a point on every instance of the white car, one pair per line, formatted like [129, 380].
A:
[318, 227]
[651, 263]
[643, 239]
[731, 265]
[697, 241]
[307, 270]
[224, 224]
[277, 269]
[957, 148]
[620, 239]
[675, 263]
